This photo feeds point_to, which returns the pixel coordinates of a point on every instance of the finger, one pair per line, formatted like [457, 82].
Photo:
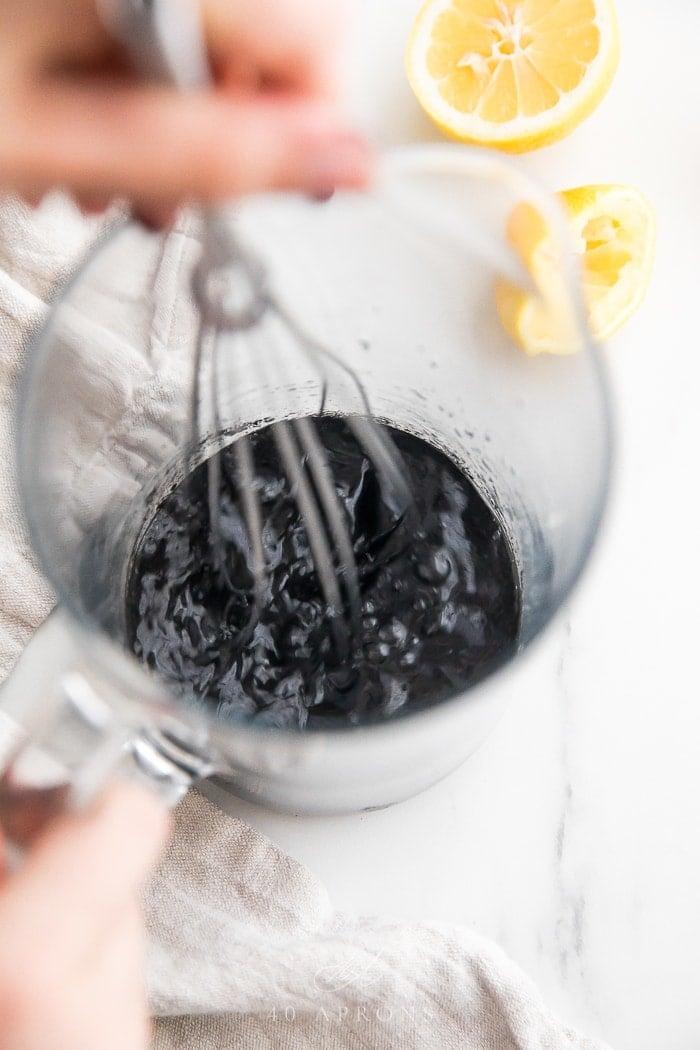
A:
[3, 858]
[156, 216]
[111, 982]
[33, 200]
[81, 872]
[292, 44]
[121, 951]
[93, 203]
[153, 145]
[69, 31]
[98, 1001]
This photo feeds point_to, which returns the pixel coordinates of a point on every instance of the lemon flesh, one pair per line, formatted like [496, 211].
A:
[514, 74]
[614, 229]
[614, 233]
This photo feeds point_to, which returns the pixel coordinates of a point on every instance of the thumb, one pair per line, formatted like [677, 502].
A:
[84, 868]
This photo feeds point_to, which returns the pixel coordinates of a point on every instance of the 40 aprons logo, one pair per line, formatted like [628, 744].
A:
[353, 1015]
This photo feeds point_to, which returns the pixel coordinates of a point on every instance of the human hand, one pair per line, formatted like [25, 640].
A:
[71, 933]
[73, 113]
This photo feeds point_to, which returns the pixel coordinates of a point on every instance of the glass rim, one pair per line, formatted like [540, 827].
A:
[428, 159]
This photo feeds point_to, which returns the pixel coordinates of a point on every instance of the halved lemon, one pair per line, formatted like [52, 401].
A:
[514, 74]
[614, 234]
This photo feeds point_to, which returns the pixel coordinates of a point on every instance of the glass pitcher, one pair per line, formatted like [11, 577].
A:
[399, 282]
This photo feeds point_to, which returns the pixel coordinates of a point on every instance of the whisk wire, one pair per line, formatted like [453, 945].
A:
[301, 451]
[369, 433]
[320, 548]
[252, 516]
[333, 509]
[214, 467]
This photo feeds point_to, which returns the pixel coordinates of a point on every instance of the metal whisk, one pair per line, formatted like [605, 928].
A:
[233, 296]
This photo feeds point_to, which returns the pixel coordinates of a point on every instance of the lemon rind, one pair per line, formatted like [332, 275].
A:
[522, 133]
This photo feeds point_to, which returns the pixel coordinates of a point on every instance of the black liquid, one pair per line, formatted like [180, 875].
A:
[440, 598]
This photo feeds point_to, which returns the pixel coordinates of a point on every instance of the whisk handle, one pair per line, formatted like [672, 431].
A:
[164, 38]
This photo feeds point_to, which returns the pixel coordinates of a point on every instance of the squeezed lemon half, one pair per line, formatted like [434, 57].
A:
[514, 74]
[614, 234]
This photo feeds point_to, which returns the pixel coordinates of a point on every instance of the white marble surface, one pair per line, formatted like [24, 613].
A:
[573, 836]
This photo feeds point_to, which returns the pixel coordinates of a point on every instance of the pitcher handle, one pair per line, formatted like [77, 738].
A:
[61, 740]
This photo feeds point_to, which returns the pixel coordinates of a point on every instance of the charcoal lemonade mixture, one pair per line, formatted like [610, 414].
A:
[440, 598]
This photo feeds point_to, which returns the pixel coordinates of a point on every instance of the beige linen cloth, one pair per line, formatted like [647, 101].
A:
[245, 949]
